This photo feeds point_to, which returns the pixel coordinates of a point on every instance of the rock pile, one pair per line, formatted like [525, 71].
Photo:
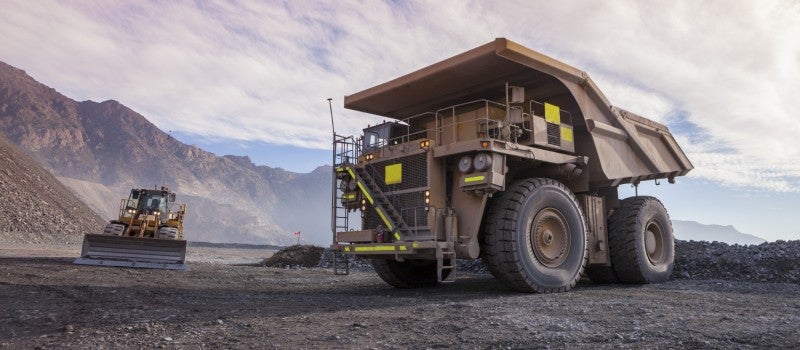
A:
[767, 262]
[355, 263]
[295, 256]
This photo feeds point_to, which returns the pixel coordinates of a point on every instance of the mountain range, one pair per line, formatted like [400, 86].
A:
[101, 150]
[694, 231]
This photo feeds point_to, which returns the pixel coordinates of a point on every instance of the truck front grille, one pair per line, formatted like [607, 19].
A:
[411, 203]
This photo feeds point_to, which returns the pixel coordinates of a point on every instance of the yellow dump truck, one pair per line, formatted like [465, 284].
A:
[504, 154]
[148, 233]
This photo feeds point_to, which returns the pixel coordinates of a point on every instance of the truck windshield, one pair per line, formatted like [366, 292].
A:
[373, 140]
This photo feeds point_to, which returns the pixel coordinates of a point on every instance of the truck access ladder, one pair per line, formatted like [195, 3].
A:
[345, 150]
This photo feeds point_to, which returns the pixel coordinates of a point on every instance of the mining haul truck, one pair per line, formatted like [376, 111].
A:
[148, 233]
[508, 155]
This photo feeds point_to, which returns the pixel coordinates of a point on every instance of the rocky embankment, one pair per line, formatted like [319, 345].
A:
[35, 206]
[767, 262]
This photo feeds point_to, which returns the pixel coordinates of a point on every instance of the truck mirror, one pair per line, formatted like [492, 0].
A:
[134, 194]
[172, 197]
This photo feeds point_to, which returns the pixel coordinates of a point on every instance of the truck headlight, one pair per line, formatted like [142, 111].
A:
[482, 161]
[465, 164]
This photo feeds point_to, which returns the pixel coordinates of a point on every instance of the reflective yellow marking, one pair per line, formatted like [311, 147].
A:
[385, 220]
[366, 194]
[393, 174]
[552, 114]
[339, 169]
[377, 248]
[349, 196]
[415, 245]
[397, 236]
[402, 247]
[474, 178]
[347, 249]
[361, 186]
[566, 134]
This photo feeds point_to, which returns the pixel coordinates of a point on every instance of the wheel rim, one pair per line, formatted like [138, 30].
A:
[549, 237]
[654, 242]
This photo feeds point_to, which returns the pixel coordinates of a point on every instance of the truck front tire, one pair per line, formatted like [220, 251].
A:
[167, 233]
[641, 241]
[409, 273]
[535, 238]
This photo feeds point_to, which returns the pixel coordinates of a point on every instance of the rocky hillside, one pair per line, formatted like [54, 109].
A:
[36, 207]
[101, 150]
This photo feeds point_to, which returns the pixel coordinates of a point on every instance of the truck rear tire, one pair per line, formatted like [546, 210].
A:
[409, 273]
[535, 239]
[641, 241]
[114, 229]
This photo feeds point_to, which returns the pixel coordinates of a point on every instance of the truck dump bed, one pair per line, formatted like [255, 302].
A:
[622, 147]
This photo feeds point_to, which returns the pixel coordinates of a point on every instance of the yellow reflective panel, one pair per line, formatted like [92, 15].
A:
[566, 134]
[552, 114]
[474, 178]
[393, 174]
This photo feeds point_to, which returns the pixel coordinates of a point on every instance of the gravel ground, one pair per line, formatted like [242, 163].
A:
[50, 303]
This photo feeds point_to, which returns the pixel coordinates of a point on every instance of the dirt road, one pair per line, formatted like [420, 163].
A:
[50, 303]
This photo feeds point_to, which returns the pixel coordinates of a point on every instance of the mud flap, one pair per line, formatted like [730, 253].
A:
[149, 253]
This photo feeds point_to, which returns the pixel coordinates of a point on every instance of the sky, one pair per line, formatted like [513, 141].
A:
[252, 77]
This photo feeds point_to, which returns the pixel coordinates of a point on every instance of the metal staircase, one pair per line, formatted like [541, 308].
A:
[386, 211]
[445, 261]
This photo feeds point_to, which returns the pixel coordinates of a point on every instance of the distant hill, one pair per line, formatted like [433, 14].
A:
[35, 207]
[102, 150]
[694, 231]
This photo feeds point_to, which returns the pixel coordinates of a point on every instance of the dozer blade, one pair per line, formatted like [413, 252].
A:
[149, 253]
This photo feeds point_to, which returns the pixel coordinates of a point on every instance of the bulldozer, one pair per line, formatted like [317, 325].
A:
[504, 154]
[148, 233]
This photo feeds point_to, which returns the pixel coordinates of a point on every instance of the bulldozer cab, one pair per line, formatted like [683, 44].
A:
[149, 202]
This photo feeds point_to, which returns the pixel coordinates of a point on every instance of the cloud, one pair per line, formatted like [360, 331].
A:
[723, 75]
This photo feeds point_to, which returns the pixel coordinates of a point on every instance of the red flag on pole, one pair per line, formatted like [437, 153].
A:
[297, 233]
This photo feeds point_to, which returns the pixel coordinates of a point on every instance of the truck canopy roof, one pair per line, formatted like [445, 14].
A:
[467, 76]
